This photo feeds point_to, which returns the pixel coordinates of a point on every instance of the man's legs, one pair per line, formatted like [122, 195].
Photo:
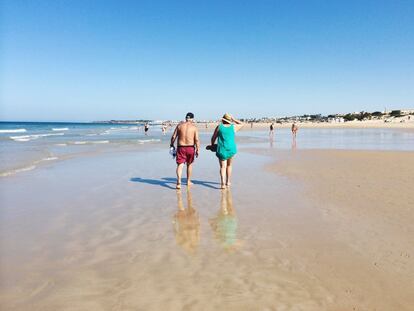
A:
[189, 171]
[179, 172]
[228, 171]
[223, 166]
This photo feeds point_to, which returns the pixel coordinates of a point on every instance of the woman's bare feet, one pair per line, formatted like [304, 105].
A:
[178, 186]
[223, 186]
[228, 184]
[189, 183]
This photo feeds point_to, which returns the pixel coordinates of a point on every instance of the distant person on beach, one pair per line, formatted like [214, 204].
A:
[146, 128]
[164, 129]
[226, 146]
[272, 130]
[295, 129]
[188, 146]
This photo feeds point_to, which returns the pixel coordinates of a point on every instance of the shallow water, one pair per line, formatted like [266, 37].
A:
[357, 139]
[26, 146]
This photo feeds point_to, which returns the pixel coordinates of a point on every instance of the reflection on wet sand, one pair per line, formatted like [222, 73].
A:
[293, 143]
[186, 224]
[224, 225]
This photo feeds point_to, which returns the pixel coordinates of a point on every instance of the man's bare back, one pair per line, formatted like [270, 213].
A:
[187, 134]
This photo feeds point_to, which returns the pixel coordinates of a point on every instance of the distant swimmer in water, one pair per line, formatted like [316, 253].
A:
[146, 128]
[188, 146]
[295, 129]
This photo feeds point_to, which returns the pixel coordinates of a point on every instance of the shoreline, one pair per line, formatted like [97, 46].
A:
[322, 125]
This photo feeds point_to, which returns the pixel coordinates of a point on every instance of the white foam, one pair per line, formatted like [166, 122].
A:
[143, 141]
[60, 129]
[13, 131]
[23, 138]
[45, 135]
[101, 142]
[19, 170]
[61, 145]
[50, 159]
[80, 142]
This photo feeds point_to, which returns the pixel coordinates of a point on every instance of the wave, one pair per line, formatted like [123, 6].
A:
[30, 167]
[23, 138]
[50, 159]
[13, 131]
[45, 135]
[143, 141]
[60, 129]
[83, 142]
[18, 170]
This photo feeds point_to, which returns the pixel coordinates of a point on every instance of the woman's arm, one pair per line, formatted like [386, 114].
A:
[238, 124]
[214, 137]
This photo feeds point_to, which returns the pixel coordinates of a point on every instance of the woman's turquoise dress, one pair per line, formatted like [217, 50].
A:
[226, 142]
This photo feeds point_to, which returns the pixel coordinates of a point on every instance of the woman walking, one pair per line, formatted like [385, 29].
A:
[226, 146]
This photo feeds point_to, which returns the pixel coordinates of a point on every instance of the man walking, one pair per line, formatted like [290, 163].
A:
[188, 145]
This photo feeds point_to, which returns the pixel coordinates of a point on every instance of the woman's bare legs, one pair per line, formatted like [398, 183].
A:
[228, 171]
[223, 167]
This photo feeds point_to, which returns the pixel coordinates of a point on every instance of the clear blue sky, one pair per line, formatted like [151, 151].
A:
[93, 60]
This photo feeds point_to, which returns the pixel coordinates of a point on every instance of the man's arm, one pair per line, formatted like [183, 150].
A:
[214, 137]
[197, 142]
[174, 137]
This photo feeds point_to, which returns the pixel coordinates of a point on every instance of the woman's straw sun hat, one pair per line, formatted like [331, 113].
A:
[226, 117]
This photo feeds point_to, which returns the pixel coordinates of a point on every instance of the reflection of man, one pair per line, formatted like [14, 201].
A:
[187, 147]
[186, 224]
[224, 224]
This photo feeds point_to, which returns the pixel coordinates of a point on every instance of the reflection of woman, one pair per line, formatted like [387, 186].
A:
[186, 224]
[224, 224]
[226, 146]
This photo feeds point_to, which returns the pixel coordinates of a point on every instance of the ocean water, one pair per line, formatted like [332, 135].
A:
[27, 145]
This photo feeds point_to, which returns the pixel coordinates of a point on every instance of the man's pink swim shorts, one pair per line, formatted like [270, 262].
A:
[185, 154]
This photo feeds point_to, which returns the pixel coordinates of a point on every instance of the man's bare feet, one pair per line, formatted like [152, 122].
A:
[223, 186]
[189, 183]
[228, 184]
[178, 186]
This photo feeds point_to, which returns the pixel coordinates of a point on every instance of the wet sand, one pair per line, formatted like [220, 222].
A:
[368, 196]
[109, 232]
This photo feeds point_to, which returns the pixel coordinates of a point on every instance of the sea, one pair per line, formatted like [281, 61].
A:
[25, 146]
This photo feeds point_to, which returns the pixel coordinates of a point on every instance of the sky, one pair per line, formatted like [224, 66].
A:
[98, 60]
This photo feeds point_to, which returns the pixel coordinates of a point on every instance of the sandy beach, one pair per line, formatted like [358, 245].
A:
[367, 124]
[298, 230]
